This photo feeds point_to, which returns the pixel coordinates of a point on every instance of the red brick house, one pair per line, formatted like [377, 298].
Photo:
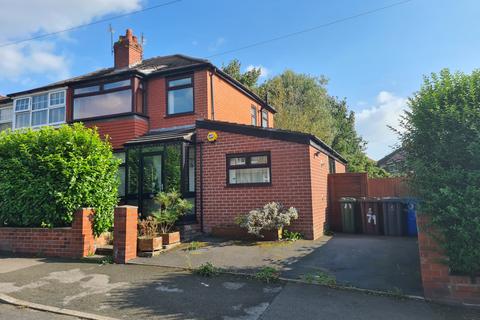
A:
[179, 122]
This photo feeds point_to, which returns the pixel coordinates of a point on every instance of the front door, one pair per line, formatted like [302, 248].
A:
[151, 182]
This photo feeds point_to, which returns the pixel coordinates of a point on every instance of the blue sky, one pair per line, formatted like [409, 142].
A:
[376, 62]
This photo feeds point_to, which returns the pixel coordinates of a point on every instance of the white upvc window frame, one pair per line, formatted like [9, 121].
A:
[10, 106]
[49, 108]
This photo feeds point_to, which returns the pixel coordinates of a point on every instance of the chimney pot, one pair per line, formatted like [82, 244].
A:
[127, 50]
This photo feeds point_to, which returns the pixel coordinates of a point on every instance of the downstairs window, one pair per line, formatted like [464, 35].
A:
[249, 169]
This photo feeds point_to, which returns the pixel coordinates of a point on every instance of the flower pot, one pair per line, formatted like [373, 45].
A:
[145, 244]
[170, 238]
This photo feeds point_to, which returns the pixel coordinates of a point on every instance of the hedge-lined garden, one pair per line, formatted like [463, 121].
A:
[442, 143]
[47, 174]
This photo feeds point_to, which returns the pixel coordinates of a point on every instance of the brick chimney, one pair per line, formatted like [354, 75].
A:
[127, 50]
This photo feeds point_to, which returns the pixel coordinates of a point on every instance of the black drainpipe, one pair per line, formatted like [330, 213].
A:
[212, 100]
[200, 144]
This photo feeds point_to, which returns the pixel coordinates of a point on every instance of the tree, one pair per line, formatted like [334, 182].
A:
[248, 78]
[303, 104]
[442, 145]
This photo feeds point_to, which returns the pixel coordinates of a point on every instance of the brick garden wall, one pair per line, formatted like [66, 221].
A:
[294, 182]
[73, 242]
[438, 283]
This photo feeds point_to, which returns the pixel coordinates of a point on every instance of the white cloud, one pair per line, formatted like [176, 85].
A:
[217, 44]
[264, 72]
[372, 123]
[22, 19]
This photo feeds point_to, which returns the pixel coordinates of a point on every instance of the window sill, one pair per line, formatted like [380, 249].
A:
[247, 185]
[174, 115]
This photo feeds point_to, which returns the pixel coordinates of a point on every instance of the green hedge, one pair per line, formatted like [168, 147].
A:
[47, 174]
[442, 140]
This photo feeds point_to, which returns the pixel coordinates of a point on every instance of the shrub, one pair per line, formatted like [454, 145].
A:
[47, 174]
[172, 207]
[272, 216]
[207, 270]
[442, 144]
[267, 274]
[148, 227]
[292, 235]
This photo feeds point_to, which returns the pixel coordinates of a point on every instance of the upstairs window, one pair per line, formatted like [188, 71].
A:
[40, 110]
[249, 169]
[102, 100]
[264, 118]
[253, 115]
[180, 95]
[6, 115]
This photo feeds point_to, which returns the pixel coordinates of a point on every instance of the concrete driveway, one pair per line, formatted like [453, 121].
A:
[371, 262]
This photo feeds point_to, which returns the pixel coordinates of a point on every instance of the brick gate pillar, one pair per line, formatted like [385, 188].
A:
[125, 234]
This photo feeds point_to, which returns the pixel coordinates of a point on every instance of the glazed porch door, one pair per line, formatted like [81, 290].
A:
[151, 182]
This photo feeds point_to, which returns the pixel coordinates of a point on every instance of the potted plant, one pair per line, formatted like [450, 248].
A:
[171, 208]
[269, 221]
[148, 240]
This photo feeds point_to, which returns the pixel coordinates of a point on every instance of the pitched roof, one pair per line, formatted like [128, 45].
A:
[271, 133]
[4, 100]
[160, 64]
[389, 156]
[146, 67]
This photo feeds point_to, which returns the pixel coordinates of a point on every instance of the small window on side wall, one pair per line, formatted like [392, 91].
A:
[180, 95]
[331, 165]
[264, 118]
[248, 169]
[253, 114]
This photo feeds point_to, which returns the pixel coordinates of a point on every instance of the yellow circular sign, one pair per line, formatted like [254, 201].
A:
[212, 136]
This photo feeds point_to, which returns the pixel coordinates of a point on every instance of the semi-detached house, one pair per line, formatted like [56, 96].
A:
[178, 122]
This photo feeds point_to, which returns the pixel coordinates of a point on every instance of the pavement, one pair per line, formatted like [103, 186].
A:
[370, 262]
[149, 292]
[9, 312]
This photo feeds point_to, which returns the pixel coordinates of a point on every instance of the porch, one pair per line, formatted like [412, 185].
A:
[162, 160]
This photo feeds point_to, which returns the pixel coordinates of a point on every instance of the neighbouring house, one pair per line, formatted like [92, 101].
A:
[178, 122]
[5, 113]
[393, 162]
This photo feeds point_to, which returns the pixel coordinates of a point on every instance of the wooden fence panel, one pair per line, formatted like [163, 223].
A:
[358, 185]
[387, 187]
[344, 185]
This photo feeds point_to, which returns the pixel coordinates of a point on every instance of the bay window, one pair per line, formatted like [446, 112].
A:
[40, 110]
[249, 169]
[102, 100]
[180, 95]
